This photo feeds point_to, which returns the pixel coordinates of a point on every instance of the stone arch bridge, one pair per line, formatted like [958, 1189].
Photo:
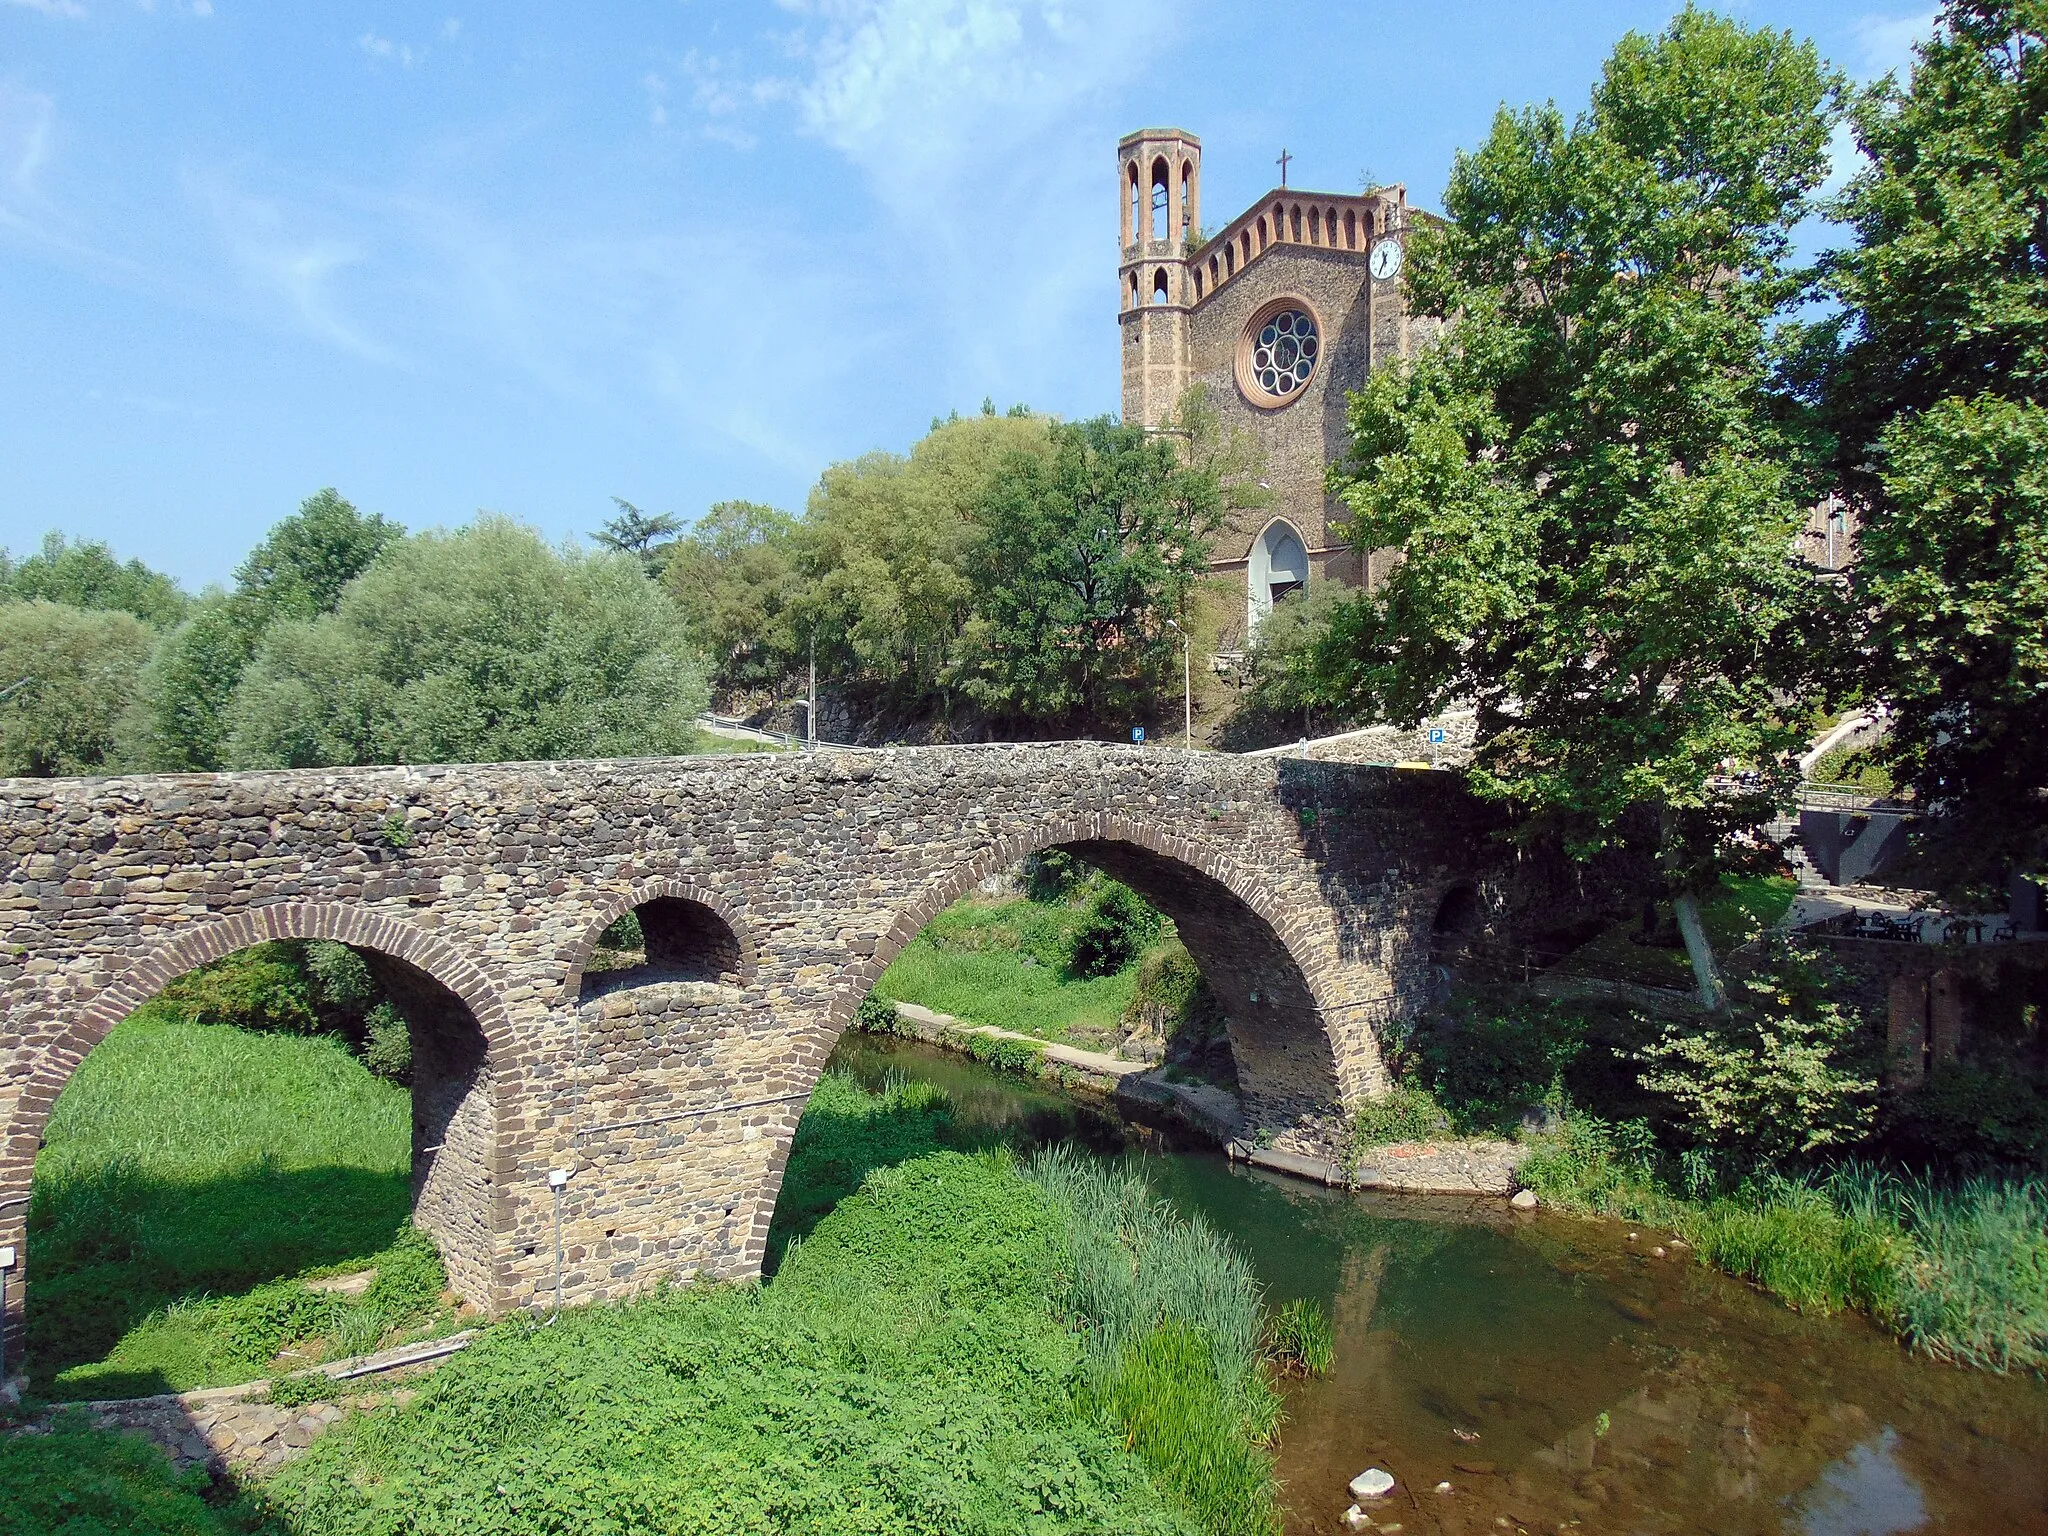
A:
[773, 890]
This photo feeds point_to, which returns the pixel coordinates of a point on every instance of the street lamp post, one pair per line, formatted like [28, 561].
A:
[1187, 684]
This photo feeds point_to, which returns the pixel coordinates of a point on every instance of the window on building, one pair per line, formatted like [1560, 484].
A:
[1278, 567]
[1159, 289]
[1159, 196]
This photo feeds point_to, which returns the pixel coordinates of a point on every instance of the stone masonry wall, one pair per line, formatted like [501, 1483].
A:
[1306, 892]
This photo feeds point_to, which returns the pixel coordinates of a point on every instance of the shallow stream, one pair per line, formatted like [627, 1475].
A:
[1557, 1373]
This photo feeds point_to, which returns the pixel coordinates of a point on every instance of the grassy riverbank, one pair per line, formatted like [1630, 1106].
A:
[192, 1177]
[1959, 1271]
[954, 1341]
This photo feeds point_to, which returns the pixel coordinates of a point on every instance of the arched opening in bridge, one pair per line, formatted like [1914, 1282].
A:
[285, 1156]
[1143, 975]
[667, 938]
[1456, 932]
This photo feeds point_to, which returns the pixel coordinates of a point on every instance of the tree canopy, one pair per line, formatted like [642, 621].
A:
[1936, 391]
[68, 674]
[482, 645]
[86, 575]
[298, 572]
[1592, 481]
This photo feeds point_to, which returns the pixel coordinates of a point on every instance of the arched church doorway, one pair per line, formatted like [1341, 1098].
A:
[1278, 568]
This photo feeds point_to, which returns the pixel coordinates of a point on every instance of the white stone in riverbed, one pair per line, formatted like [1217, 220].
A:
[1372, 1483]
[1357, 1519]
[1524, 1200]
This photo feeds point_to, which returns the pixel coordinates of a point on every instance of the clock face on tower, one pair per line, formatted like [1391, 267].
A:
[1386, 259]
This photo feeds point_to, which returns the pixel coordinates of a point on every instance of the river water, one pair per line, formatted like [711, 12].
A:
[1557, 1373]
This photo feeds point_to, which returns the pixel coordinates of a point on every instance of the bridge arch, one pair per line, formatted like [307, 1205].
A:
[462, 1033]
[713, 906]
[1261, 959]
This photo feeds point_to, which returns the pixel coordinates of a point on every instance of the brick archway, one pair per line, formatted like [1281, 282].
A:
[1107, 840]
[455, 1084]
[614, 906]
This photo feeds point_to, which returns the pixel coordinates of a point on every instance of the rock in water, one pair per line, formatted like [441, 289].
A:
[1372, 1483]
[1525, 1200]
[1357, 1519]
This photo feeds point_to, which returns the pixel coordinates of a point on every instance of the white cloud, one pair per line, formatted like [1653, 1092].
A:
[26, 119]
[280, 259]
[50, 7]
[403, 54]
[912, 89]
[1887, 42]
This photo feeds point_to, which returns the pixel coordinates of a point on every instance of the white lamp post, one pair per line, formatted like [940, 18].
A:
[1187, 684]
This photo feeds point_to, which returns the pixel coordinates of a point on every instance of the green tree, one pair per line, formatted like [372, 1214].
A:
[1086, 553]
[303, 563]
[648, 538]
[1592, 481]
[734, 576]
[482, 645]
[885, 551]
[298, 572]
[1938, 396]
[69, 674]
[86, 575]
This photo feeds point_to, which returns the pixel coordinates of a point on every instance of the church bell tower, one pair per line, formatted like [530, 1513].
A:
[1159, 191]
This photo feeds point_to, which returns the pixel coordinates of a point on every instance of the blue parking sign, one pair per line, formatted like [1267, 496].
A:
[1138, 734]
[1436, 735]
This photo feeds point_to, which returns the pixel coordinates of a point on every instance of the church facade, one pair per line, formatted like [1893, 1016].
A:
[1280, 314]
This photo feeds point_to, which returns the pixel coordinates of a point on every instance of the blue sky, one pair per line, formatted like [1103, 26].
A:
[530, 258]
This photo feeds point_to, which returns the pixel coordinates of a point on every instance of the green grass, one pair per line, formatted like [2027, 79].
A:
[83, 1482]
[1743, 909]
[1960, 1271]
[903, 1373]
[1003, 963]
[186, 1164]
[1404, 1114]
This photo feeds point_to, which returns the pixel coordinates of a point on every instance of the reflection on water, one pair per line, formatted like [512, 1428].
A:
[1865, 1493]
[1558, 1376]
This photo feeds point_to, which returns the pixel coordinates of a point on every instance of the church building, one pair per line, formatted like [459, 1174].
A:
[1280, 314]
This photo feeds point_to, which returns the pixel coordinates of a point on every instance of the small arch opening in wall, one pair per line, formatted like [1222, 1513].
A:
[1159, 286]
[1187, 196]
[1212, 271]
[1134, 212]
[1262, 231]
[1134, 292]
[1457, 928]
[1315, 226]
[1161, 178]
[670, 938]
[1198, 285]
[1294, 222]
[1350, 230]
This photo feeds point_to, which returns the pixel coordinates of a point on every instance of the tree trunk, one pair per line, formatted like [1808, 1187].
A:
[1686, 907]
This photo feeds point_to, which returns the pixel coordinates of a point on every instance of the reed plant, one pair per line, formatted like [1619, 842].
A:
[1960, 1269]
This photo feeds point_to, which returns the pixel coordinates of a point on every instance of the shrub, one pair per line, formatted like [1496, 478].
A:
[1404, 1114]
[1054, 875]
[1965, 1116]
[265, 986]
[1779, 1075]
[1119, 927]
[387, 1044]
[877, 1016]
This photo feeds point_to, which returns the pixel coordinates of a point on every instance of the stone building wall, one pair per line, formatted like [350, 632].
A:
[1306, 891]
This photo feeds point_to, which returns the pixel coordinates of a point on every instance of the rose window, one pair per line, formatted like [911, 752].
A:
[1279, 354]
